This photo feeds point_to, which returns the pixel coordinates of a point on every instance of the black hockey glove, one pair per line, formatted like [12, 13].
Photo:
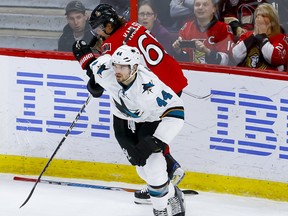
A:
[146, 147]
[84, 55]
[94, 88]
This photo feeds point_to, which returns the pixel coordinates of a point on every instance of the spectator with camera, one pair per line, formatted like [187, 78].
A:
[209, 40]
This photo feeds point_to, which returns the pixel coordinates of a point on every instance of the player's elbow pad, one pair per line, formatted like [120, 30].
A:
[94, 88]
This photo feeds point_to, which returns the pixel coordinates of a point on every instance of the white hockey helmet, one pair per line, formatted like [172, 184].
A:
[126, 55]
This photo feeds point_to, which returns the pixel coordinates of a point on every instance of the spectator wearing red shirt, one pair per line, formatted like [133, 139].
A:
[265, 47]
[212, 39]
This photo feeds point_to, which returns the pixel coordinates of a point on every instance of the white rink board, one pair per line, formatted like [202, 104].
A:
[240, 130]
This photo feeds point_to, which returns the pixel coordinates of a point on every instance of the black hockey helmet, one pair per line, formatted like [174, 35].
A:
[103, 14]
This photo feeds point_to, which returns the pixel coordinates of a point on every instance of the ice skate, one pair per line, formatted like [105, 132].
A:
[177, 203]
[177, 175]
[163, 212]
[142, 196]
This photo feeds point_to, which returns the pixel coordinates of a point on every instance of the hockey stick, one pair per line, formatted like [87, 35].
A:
[58, 147]
[82, 185]
[197, 96]
[67, 133]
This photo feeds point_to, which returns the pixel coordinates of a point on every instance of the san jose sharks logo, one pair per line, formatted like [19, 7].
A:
[125, 111]
[101, 69]
[148, 87]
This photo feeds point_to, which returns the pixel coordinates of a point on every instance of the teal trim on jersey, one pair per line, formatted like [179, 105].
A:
[175, 112]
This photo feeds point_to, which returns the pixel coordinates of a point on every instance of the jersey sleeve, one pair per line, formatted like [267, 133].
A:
[240, 50]
[275, 50]
[102, 69]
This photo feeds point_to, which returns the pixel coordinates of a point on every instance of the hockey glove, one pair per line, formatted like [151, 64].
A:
[146, 147]
[94, 88]
[84, 55]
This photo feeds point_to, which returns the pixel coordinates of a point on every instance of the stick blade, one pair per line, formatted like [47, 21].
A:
[31, 192]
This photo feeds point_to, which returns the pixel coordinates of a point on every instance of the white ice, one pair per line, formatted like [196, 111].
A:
[57, 200]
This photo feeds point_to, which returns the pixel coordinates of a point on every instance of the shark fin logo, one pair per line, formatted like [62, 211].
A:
[147, 87]
[125, 111]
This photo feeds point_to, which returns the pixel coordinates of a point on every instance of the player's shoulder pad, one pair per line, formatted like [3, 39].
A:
[104, 59]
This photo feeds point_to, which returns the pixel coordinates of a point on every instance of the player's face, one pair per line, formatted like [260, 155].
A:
[102, 31]
[76, 21]
[146, 16]
[204, 9]
[122, 72]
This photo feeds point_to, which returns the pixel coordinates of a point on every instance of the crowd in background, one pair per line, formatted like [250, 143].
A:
[246, 33]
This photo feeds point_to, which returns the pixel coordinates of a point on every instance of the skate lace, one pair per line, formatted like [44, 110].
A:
[144, 190]
[160, 212]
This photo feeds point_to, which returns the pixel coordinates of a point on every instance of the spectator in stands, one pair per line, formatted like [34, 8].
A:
[210, 40]
[77, 27]
[239, 14]
[181, 11]
[122, 7]
[147, 16]
[265, 47]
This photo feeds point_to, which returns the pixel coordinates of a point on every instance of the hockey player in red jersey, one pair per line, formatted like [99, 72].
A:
[113, 34]
[110, 31]
[212, 39]
[265, 47]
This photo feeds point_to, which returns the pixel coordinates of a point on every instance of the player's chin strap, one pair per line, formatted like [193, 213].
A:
[131, 76]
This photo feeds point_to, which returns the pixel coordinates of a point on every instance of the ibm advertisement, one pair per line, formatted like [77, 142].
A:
[235, 125]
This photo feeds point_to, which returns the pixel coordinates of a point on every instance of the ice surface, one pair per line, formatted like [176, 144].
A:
[57, 200]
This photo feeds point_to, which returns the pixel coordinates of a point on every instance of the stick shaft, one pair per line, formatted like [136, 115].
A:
[56, 150]
[102, 187]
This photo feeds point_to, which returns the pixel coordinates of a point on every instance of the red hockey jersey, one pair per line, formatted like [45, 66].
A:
[158, 61]
[218, 37]
[273, 55]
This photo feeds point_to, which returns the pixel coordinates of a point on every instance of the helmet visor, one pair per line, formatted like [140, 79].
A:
[98, 30]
